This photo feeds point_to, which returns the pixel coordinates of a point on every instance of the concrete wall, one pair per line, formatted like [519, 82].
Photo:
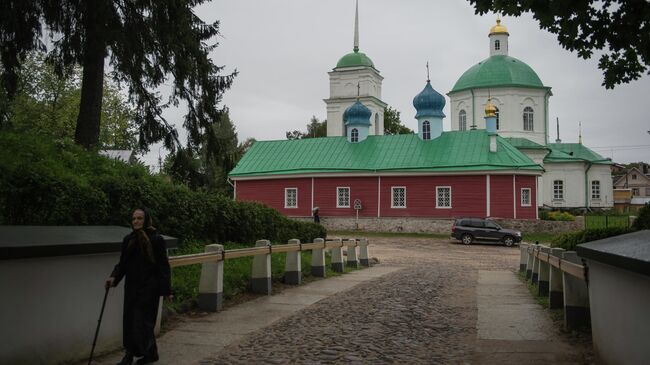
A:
[50, 308]
[429, 225]
[620, 319]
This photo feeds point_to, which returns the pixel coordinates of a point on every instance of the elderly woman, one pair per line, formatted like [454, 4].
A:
[144, 263]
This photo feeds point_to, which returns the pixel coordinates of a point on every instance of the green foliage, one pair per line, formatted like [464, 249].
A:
[556, 216]
[46, 183]
[643, 218]
[393, 124]
[315, 129]
[606, 220]
[568, 241]
[610, 28]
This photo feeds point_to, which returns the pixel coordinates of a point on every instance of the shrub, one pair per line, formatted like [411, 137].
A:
[568, 241]
[556, 216]
[643, 218]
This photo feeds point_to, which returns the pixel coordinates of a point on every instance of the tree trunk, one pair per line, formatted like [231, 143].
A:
[92, 84]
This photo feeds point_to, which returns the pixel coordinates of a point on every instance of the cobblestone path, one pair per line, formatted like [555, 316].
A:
[426, 313]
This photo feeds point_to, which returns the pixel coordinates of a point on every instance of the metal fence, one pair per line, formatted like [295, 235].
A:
[606, 221]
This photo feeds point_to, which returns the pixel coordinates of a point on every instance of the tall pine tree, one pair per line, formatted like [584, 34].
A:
[144, 43]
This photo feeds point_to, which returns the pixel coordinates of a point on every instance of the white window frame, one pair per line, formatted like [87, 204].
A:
[636, 192]
[286, 198]
[496, 113]
[522, 202]
[392, 197]
[438, 206]
[561, 191]
[338, 196]
[529, 119]
[497, 45]
[426, 130]
[595, 189]
[462, 120]
[354, 135]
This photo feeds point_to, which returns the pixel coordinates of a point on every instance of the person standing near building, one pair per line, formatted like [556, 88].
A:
[144, 263]
[316, 216]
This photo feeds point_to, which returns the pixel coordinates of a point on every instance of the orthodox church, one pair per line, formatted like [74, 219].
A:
[495, 162]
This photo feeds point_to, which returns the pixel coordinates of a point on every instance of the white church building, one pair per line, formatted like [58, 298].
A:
[574, 176]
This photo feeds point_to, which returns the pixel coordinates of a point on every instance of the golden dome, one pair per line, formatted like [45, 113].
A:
[490, 109]
[498, 29]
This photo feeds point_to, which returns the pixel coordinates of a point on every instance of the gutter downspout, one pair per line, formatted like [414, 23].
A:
[548, 91]
[473, 109]
[589, 164]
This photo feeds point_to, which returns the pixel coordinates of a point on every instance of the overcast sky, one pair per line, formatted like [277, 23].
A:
[283, 50]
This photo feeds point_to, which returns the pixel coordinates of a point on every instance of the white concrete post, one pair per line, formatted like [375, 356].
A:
[535, 276]
[337, 257]
[261, 278]
[211, 282]
[292, 266]
[523, 258]
[544, 274]
[364, 257]
[318, 259]
[555, 296]
[529, 262]
[352, 253]
[576, 296]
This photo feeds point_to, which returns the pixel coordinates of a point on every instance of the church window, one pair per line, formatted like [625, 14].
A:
[497, 45]
[343, 197]
[595, 189]
[426, 130]
[528, 118]
[443, 196]
[497, 114]
[462, 120]
[398, 197]
[291, 198]
[525, 197]
[558, 189]
[354, 135]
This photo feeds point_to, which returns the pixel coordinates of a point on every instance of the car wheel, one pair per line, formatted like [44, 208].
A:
[467, 238]
[508, 241]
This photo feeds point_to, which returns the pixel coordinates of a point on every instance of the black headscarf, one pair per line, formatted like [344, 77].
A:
[141, 236]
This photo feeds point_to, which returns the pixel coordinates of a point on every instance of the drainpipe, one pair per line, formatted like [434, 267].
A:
[473, 111]
[589, 164]
[548, 92]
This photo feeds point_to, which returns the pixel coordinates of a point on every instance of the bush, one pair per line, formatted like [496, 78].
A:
[58, 183]
[556, 216]
[643, 218]
[568, 241]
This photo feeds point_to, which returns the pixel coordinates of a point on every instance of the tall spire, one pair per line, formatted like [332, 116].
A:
[558, 140]
[580, 132]
[356, 28]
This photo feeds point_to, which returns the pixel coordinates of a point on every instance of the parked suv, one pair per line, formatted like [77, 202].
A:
[467, 230]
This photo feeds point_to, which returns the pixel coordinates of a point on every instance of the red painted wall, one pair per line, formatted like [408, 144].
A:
[468, 195]
[501, 196]
[271, 193]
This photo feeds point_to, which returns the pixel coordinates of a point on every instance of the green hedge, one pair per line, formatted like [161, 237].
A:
[568, 241]
[58, 183]
[643, 218]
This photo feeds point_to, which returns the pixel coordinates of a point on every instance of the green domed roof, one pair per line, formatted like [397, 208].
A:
[355, 59]
[496, 71]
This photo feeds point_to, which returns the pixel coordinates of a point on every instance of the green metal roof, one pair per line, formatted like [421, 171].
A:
[574, 152]
[355, 59]
[525, 143]
[456, 151]
[498, 71]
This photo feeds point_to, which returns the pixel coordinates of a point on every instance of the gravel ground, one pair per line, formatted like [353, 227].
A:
[425, 313]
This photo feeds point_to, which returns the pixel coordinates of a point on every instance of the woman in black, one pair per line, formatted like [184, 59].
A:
[144, 263]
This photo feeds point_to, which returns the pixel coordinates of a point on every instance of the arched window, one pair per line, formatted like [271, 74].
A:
[426, 130]
[354, 135]
[528, 119]
[497, 114]
[377, 130]
[497, 45]
[462, 120]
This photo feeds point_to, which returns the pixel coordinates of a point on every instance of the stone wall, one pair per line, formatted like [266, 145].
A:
[431, 225]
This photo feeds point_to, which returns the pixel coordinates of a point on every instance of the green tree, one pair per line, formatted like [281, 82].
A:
[393, 124]
[315, 129]
[146, 44]
[618, 28]
[47, 104]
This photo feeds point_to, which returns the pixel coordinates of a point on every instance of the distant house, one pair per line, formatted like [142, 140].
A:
[633, 190]
[120, 155]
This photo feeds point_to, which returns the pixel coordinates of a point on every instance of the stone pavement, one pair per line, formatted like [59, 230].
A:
[430, 301]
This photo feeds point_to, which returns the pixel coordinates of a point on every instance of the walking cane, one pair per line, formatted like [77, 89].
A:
[99, 322]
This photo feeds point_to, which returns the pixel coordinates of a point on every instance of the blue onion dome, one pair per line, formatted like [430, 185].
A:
[429, 103]
[357, 114]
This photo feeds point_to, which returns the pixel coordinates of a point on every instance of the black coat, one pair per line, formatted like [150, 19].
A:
[145, 282]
